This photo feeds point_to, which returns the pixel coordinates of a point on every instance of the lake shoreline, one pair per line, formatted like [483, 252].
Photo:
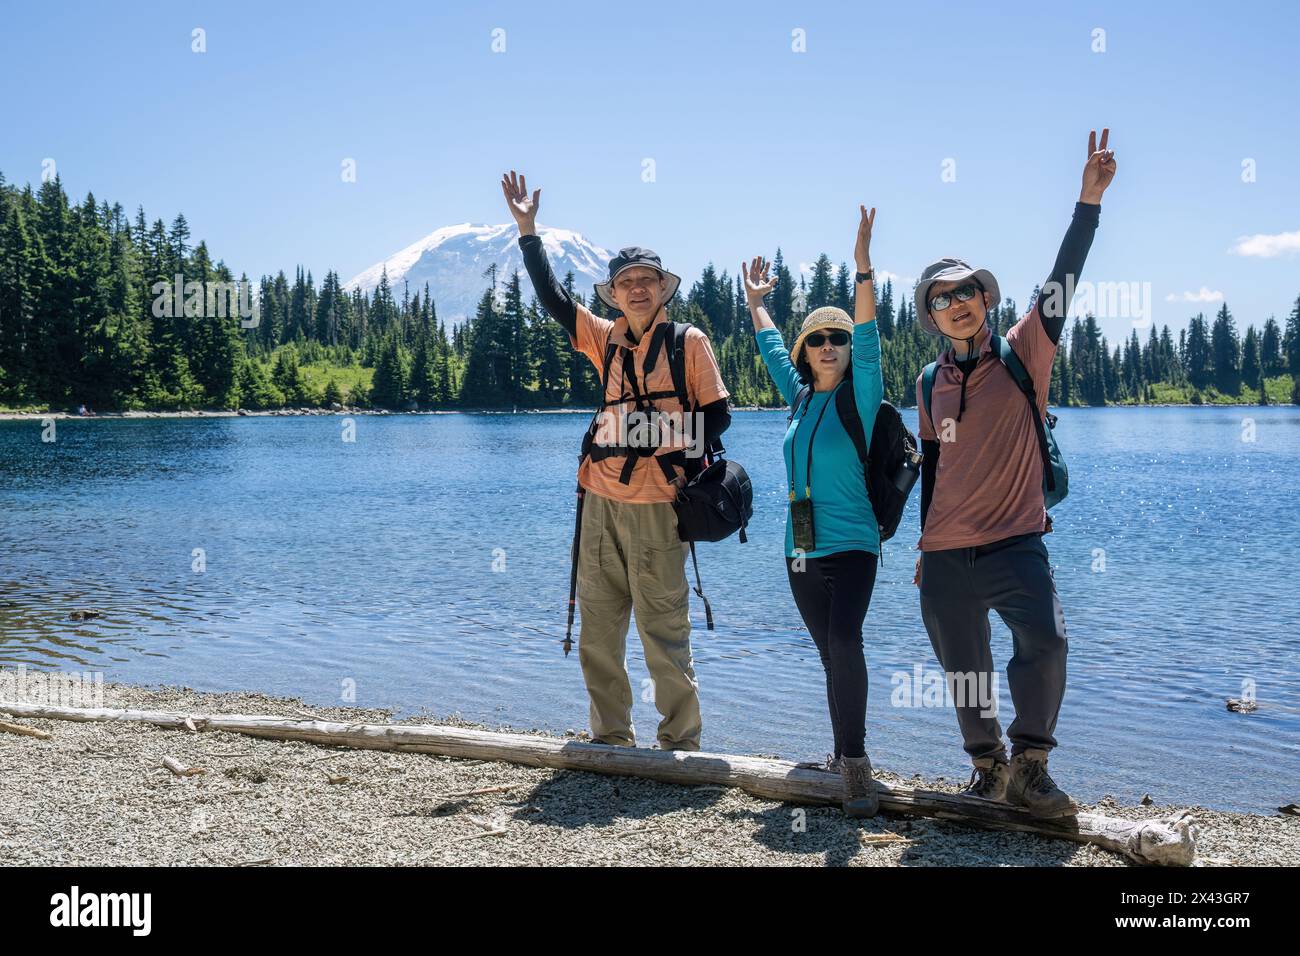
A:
[292, 412]
[98, 794]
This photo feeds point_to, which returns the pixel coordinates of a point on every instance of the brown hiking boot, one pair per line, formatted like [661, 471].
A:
[988, 781]
[1032, 788]
[860, 798]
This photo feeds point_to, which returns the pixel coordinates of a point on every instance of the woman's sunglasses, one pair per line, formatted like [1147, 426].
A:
[962, 294]
[817, 339]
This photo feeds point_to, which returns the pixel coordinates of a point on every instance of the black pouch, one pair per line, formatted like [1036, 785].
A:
[801, 525]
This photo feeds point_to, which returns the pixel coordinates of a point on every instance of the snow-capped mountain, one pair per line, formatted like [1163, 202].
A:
[453, 259]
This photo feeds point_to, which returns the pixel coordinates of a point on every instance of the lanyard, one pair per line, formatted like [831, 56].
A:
[811, 438]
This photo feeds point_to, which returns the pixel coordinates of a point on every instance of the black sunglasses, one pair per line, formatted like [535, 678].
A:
[816, 339]
[962, 293]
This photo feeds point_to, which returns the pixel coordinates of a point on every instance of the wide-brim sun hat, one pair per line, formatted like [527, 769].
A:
[827, 317]
[949, 270]
[630, 257]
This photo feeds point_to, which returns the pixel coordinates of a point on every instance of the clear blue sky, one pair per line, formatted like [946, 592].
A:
[755, 146]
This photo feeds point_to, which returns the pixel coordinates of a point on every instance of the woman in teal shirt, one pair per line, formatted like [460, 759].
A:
[831, 558]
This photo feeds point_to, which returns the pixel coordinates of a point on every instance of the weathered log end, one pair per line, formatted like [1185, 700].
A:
[1170, 841]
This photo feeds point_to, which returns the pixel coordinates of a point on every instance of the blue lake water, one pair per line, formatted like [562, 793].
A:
[331, 565]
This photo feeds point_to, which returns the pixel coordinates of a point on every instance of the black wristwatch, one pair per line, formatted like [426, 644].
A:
[868, 276]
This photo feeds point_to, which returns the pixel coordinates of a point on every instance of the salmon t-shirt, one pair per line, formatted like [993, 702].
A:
[989, 481]
[648, 483]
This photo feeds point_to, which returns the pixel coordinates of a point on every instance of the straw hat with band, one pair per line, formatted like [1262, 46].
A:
[827, 317]
[630, 258]
[949, 270]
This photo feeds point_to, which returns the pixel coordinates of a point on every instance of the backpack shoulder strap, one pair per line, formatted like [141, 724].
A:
[610, 348]
[927, 389]
[675, 343]
[1011, 362]
[799, 397]
[1008, 357]
[847, 407]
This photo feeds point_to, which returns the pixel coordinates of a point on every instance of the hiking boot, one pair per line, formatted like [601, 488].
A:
[860, 798]
[1031, 787]
[988, 781]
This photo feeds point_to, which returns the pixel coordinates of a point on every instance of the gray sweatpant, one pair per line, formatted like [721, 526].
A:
[1013, 577]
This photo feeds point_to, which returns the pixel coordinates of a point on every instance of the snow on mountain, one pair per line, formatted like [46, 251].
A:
[452, 261]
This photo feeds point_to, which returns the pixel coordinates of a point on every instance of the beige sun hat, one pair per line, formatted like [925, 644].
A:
[827, 317]
[949, 270]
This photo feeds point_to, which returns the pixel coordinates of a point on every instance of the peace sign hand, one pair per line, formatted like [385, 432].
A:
[757, 283]
[1099, 170]
[521, 206]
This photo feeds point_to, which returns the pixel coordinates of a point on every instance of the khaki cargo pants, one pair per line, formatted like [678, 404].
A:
[631, 560]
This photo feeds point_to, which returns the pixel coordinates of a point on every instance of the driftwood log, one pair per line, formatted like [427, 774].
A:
[1169, 841]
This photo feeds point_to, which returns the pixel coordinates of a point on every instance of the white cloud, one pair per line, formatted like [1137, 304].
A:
[1265, 246]
[900, 282]
[1205, 295]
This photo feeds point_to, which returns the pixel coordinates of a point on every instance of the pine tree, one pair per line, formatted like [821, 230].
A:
[423, 385]
[1291, 344]
[1226, 351]
[513, 344]
[1270, 348]
[885, 310]
[333, 395]
[842, 297]
[487, 366]
[821, 290]
[1198, 361]
[388, 388]
[1251, 370]
[781, 298]
[288, 378]
[20, 281]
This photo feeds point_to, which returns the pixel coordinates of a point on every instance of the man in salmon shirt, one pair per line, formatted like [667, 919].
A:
[983, 514]
[630, 558]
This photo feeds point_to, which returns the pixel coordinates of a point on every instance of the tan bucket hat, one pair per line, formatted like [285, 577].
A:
[827, 317]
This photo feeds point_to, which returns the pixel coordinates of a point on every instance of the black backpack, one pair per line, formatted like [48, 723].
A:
[893, 463]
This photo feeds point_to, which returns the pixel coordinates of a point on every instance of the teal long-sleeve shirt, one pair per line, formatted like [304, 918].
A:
[842, 515]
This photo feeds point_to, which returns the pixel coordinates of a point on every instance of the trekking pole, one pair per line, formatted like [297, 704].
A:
[573, 571]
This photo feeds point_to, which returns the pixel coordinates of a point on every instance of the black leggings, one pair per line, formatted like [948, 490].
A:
[832, 594]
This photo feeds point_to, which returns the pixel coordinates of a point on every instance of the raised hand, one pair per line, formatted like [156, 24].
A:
[757, 283]
[1099, 170]
[522, 208]
[862, 250]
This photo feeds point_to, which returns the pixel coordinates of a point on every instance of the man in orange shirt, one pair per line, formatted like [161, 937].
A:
[630, 556]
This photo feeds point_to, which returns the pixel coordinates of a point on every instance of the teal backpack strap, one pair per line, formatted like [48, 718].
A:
[1011, 362]
[927, 390]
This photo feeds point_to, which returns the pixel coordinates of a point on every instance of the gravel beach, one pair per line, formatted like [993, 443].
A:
[98, 794]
